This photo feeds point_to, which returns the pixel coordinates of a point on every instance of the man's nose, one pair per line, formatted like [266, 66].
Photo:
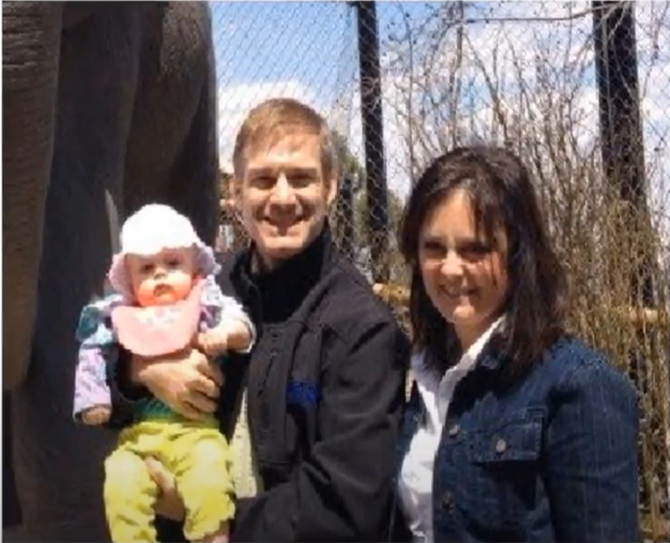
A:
[282, 192]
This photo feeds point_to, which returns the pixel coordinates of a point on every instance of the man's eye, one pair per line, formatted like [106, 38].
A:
[173, 263]
[263, 181]
[301, 180]
[147, 268]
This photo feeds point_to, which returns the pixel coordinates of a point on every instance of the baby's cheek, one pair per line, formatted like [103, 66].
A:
[182, 284]
[144, 293]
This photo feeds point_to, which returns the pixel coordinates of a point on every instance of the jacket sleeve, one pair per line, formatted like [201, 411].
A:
[221, 308]
[592, 475]
[343, 491]
[90, 385]
[96, 346]
[124, 394]
[102, 364]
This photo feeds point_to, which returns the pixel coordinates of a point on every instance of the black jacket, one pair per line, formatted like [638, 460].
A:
[325, 397]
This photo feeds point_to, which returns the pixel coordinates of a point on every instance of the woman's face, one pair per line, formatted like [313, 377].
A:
[464, 273]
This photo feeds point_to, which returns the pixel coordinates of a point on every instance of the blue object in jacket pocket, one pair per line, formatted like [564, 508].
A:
[301, 393]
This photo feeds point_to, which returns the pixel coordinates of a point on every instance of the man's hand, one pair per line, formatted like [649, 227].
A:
[96, 415]
[168, 502]
[170, 505]
[186, 382]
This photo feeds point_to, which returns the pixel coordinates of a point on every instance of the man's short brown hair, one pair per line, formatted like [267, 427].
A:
[273, 120]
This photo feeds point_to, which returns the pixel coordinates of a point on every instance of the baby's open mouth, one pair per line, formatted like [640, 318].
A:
[159, 290]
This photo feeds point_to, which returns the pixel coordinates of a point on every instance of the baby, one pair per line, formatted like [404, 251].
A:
[166, 300]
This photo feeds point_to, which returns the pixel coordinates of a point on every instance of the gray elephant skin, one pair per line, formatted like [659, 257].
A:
[106, 106]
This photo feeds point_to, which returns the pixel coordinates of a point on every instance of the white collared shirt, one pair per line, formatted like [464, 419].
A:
[415, 484]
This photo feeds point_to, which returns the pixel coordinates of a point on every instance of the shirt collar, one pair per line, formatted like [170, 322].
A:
[475, 350]
[469, 357]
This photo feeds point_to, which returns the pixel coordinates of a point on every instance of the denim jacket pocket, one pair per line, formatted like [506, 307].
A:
[516, 441]
[504, 484]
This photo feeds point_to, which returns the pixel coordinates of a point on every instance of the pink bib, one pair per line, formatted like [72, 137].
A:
[158, 330]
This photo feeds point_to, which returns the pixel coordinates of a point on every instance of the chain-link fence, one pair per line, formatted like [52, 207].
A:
[580, 90]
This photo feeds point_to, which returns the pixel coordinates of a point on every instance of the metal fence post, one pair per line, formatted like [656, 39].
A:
[373, 136]
[622, 144]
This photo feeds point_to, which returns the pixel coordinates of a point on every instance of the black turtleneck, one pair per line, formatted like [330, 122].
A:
[275, 295]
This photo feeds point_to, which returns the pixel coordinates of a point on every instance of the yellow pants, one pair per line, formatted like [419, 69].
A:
[199, 458]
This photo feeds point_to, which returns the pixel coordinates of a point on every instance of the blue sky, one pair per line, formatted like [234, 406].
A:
[307, 50]
[314, 42]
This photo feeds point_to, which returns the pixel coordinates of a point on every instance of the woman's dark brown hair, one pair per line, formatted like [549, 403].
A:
[502, 195]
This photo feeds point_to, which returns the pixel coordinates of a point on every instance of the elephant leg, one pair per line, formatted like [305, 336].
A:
[31, 43]
[11, 511]
[193, 185]
[76, 13]
[194, 180]
[59, 465]
[176, 110]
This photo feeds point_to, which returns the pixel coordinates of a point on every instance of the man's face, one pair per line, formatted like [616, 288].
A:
[283, 197]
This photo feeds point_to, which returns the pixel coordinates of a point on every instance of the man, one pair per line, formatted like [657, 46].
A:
[323, 386]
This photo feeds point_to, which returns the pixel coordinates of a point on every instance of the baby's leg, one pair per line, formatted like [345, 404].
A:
[201, 465]
[130, 495]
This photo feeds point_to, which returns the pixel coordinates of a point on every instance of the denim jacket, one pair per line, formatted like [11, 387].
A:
[551, 457]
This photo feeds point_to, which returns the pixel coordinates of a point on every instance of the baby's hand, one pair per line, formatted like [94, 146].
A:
[96, 415]
[213, 342]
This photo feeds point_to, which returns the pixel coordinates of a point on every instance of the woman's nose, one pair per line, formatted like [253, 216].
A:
[452, 265]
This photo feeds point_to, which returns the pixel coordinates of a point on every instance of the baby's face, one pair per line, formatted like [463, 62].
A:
[164, 278]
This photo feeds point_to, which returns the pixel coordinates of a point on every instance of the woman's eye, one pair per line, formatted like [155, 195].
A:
[173, 263]
[433, 248]
[147, 268]
[474, 251]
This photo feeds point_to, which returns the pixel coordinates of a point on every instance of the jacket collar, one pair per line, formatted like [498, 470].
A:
[490, 360]
[282, 290]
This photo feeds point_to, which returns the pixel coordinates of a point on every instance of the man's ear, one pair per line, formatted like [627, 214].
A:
[333, 187]
[235, 191]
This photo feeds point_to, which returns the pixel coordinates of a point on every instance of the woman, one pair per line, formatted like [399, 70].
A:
[514, 430]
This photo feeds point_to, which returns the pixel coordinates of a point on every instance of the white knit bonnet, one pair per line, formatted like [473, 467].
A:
[150, 230]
